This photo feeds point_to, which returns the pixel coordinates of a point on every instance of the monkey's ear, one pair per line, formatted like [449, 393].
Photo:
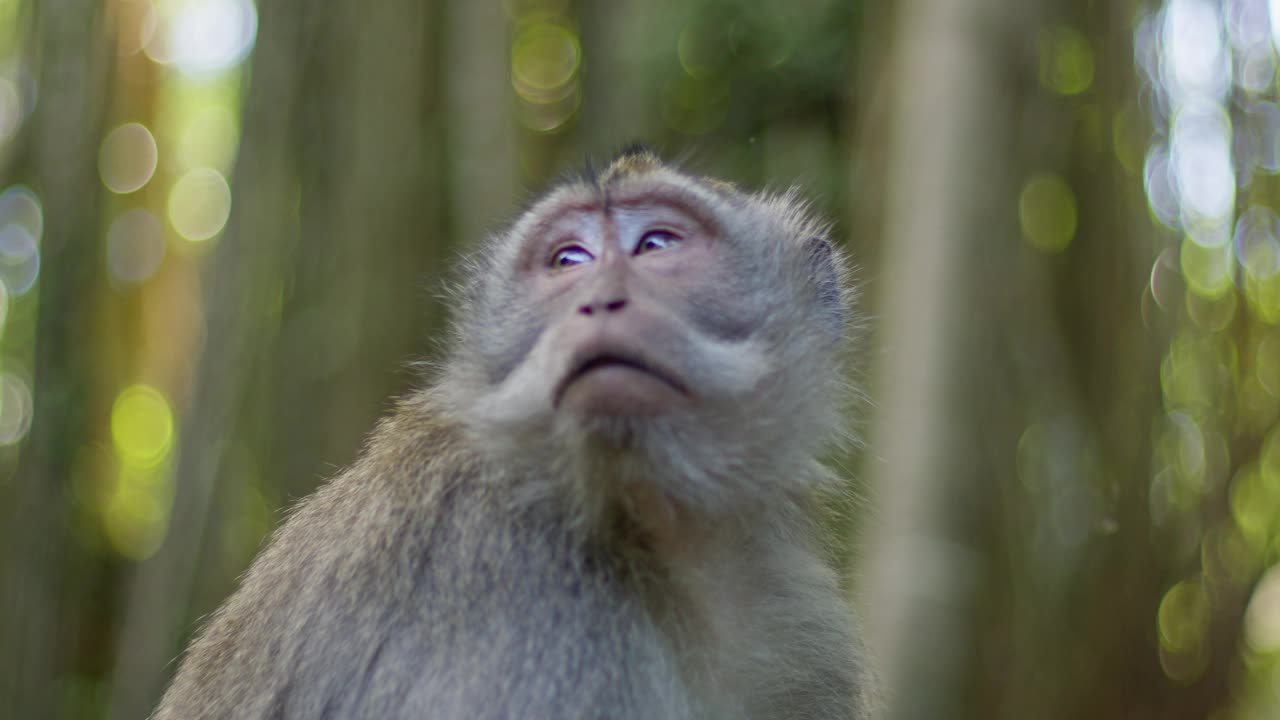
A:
[821, 261]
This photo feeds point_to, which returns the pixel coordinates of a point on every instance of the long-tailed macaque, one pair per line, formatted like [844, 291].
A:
[604, 505]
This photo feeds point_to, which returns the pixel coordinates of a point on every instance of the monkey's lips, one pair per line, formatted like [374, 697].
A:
[609, 382]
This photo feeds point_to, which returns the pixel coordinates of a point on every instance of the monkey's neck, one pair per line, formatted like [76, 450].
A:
[634, 516]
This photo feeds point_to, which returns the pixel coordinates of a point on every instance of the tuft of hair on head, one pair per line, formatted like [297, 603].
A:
[634, 159]
[636, 148]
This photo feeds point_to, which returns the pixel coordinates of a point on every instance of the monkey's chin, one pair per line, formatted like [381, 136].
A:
[618, 390]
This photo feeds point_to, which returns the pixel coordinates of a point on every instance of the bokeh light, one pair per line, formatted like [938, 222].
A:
[1212, 74]
[1161, 187]
[1047, 213]
[19, 258]
[20, 206]
[1246, 24]
[1262, 620]
[15, 408]
[544, 59]
[136, 28]
[135, 246]
[1066, 60]
[1146, 47]
[1196, 63]
[1207, 270]
[1251, 502]
[136, 514]
[545, 62]
[128, 158]
[208, 36]
[1211, 314]
[142, 426]
[1273, 6]
[199, 204]
[1263, 296]
[1201, 156]
[1166, 283]
[1183, 623]
[1257, 246]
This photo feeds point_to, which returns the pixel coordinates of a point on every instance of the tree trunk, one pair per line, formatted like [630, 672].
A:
[242, 289]
[44, 568]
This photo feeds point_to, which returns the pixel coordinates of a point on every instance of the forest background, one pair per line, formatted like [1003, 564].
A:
[224, 226]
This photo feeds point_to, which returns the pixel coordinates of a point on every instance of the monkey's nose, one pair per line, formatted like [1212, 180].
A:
[607, 306]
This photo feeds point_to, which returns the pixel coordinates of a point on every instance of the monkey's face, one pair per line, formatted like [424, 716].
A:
[670, 326]
[618, 287]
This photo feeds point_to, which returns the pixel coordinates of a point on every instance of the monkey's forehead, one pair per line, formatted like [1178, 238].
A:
[642, 178]
[706, 200]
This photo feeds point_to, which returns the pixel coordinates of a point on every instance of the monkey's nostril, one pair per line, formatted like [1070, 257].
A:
[610, 306]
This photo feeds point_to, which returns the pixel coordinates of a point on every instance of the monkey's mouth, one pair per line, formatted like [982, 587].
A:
[591, 363]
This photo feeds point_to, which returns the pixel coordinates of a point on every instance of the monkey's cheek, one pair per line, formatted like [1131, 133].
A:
[620, 391]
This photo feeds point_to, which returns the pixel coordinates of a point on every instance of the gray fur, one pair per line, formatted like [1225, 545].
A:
[487, 558]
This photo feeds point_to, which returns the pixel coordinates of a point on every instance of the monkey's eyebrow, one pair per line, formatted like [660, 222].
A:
[682, 200]
[533, 237]
[552, 214]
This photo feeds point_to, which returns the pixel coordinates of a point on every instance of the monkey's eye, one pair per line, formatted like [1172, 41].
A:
[656, 240]
[570, 255]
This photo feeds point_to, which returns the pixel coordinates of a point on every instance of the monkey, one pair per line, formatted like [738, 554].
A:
[603, 506]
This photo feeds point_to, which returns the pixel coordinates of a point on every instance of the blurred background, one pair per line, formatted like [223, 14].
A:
[223, 228]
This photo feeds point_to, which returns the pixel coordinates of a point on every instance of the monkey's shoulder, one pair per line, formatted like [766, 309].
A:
[317, 602]
[379, 600]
